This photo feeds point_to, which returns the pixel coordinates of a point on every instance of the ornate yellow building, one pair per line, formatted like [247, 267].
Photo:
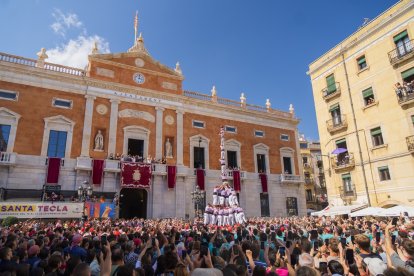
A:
[365, 124]
[130, 104]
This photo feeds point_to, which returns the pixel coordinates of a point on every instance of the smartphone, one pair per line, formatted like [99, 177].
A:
[294, 259]
[314, 234]
[405, 214]
[349, 255]
[284, 238]
[327, 242]
[353, 239]
[315, 246]
[203, 251]
[377, 236]
[288, 244]
[215, 251]
[343, 242]
[323, 267]
[393, 238]
[235, 250]
[394, 221]
[104, 240]
[262, 245]
[282, 251]
[184, 254]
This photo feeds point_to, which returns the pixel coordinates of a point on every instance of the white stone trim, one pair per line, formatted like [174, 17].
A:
[113, 124]
[261, 149]
[233, 145]
[87, 125]
[62, 100]
[58, 123]
[180, 136]
[11, 92]
[158, 132]
[205, 143]
[139, 133]
[8, 117]
[288, 152]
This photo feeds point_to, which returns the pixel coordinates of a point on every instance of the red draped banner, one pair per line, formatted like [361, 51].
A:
[135, 175]
[171, 175]
[53, 169]
[200, 179]
[263, 179]
[97, 171]
[236, 181]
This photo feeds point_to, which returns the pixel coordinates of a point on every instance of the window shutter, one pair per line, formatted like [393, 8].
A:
[412, 119]
[346, 176]
[400, 36]
[367, 92]
[376, 131]
[340, 141]
[335, 106]
[383, 168]
[407, 73]
[330, 82]
[361, 60]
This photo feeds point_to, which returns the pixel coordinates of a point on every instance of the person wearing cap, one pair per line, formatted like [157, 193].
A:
[74, 249]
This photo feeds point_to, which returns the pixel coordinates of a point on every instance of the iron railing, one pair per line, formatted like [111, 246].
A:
[348, 193]
[337, 123]
[331, 91]
[410, 143]
[343, 161]
[401, 53]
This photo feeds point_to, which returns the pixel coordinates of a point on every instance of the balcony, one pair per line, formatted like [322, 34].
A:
[348, 194]
[410, 143]
[230, 174]
[112, 166]
[405, 98]
[83, 164]
[290, 179]
[159, 169]
[401, 53]
[7, 158]
[337, 124]
[331, 91]
[343, 162]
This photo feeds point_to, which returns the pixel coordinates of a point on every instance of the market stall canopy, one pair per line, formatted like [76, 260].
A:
[397, 211]
[337, 210]
[370, 211]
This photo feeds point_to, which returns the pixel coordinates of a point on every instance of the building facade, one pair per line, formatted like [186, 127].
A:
[364, 103]
[314, 174]
[130, 104]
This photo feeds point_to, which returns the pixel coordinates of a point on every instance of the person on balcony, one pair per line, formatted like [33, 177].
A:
[399, 90]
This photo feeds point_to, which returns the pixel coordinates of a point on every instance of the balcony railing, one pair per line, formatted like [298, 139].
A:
[401, 53]
[405, 98]
[7, 158]
[112, 166]
[331, 91]
[309, 180]
[159, 169]
[348, 194]
[344, 161]
[337, 123]
[242, 174]
[410, 143]
[290, 178]
[84, 163]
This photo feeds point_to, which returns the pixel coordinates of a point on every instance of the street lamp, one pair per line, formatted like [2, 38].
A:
[197, 196]
[85, 191]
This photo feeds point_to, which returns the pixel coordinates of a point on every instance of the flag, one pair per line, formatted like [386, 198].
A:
[136, 24]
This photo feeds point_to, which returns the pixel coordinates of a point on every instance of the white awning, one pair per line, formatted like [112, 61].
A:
[336, 210]
[397, 211]
[370, 211]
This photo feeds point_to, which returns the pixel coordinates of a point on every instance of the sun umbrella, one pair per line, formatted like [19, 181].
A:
[339, 150]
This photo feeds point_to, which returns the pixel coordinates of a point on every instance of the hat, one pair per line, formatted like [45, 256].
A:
[137, 242]
[375, 266]
[33, 250]
[77, 239]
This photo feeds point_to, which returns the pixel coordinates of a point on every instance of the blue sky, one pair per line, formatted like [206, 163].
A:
[262, 48]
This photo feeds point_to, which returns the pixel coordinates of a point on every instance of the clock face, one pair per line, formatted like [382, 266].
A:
[139, 78]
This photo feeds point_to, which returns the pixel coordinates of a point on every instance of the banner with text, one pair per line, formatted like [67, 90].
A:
[41, 210]
[100, 210]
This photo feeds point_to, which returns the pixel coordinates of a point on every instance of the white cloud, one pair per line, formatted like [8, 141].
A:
[75, 52]
[63, 22]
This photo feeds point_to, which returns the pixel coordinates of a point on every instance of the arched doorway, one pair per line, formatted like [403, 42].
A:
[133, 203]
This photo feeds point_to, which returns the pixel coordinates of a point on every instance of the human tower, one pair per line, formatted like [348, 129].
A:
[225, 209]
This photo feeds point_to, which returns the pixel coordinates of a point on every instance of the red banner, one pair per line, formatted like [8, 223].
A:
[97, 171]
[200, 179]
[171, 173]
[135, 175]
[53, 169]
[236, 181]
[263, 178]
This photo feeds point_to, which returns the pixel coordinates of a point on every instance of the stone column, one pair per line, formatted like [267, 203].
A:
[87, 125]
[180, 197]
[180, 136]
[158, 132]
[113, 123]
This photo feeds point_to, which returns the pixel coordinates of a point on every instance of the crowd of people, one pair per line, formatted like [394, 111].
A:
[136, 158]
[404, 90]
[259, 247]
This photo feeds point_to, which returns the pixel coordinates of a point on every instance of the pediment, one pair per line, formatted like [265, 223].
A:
[59, 120]
[7, 113]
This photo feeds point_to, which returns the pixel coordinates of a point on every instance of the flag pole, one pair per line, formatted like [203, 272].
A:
[136, 26]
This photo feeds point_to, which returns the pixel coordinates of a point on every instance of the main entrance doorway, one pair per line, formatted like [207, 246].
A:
[136, 147]
[133, 203]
